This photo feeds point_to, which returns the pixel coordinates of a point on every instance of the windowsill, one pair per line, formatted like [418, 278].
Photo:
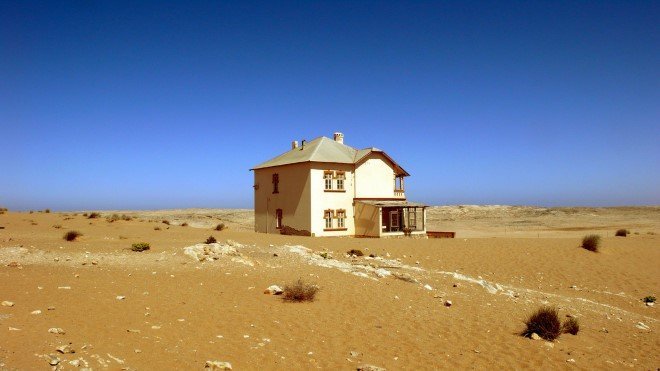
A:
[334, 229]
[334, 190]
[399, 190]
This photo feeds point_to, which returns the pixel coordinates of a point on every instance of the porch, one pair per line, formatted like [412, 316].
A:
[375, 218]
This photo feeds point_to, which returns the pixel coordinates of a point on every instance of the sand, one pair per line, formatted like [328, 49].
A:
[165, 309]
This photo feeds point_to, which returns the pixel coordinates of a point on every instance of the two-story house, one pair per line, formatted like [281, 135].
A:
[330, 189]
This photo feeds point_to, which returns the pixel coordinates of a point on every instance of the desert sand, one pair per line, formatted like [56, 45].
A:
[166, 309]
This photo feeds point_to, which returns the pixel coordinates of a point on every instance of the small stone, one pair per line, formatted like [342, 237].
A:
[94, 262]
[642, 326]
[428, 287]
[53, 361]
[64, 349]
[448, 303]
[120, 297]
[549, 344]
[367, 367]
[14, 329]
[56, 330]
[354, 354]
[56, 259]
[51, 308]
[75, 363]
[155, 327]
[570, 360]
[650, 304]
[137, 351]
[455, 285]
[604, 330]
[7, 303]
[535, 336]
[64, 287]
[217, 365]
[274, 290]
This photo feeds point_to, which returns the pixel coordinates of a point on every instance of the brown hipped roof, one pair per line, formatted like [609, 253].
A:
[323, 149]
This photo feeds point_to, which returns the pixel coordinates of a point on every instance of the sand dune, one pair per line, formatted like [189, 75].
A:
[166, 309]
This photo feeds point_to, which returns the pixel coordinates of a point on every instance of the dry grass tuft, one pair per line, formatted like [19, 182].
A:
[220, 227]
[591, 242]
[140, 246]
[545, 323]
[72, 235]
[622, 233]
[93, 215]
[166, 222]
[211, 239]
[299, 292]
[355, 252]
[184, 224]
[570, 326]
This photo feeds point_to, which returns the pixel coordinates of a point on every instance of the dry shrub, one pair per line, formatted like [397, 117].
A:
[156, 228]
[93, 215]
[166, 222]
[71, 235]
[47, 211]
[112, 218]
[220, 227]
[622, 233]
[290, 231]
[3, 210]
[355, 252]
[140, 246]
[570, 326]
[184, 224]
[299, 292]
[211, 239]
[591, 242]
[649, 299]
[126, 217]
[545, 323]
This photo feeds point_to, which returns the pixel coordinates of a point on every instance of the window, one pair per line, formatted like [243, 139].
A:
[341, 218]
[341, 176]
[327, 176]
[276, 183]
[398, 183]
[328, 219]
[278, 218]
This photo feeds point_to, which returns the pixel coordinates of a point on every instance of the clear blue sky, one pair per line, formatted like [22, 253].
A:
[117, 105]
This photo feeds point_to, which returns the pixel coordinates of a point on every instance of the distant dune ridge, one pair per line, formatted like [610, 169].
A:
[401, 304]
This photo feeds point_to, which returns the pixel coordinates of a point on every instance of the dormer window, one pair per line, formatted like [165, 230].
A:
[276, 183]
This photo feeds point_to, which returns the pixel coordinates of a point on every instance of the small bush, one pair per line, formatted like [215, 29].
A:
[211, 239]
[126, 217]
[355, 252]
[47, 211]
[622, 233]
[3, 210]
[299, 292]
[156, 228]
[649, 299]
[93, 215]
[220, 227]
[31, 211]
[72, 235]
[545, 323]
[570, 326]
[112, 218]
[140, 246]
[591, 242]
[166, 222]
[184, 224]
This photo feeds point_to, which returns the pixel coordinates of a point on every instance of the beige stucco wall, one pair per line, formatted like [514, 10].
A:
[323, 200]
[293, 197]
[367, 220]
[375, 178]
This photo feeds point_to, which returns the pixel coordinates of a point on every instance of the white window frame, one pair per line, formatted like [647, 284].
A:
[327, 178]
[327, 215]
[341, 218]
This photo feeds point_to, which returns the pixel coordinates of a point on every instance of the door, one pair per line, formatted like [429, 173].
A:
[394, 220]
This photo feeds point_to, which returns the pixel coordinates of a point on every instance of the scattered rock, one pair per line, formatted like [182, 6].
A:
[354, 354]
[137, 351]
[7, 303]
[64, 287]
[570, 360]
[14, 329]
[274, 290]
[64, 349]
[51, 308]
[650, 304]
[642, 326]
[604, 330]
[53, 360]
[120, 297]
[367, 367]
[428, 287]
[535, 336]
[448, 303]
[56, 330]
[455, 285]
[217, 365]
[75, 363]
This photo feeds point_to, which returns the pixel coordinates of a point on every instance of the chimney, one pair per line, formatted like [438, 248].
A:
[339, 137]
[294, 144]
